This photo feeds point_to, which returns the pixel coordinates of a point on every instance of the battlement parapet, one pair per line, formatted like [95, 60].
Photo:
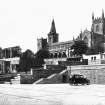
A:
[98, 20]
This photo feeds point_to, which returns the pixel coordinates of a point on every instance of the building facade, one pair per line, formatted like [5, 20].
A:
[57, 49]
[41, 43]
[95, 59]
[9, 59]
[95, 39]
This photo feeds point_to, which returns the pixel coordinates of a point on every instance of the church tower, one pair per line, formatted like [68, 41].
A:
[41, 44]
[98, 31]
[98, 24]
[52, 35]
[103, 21]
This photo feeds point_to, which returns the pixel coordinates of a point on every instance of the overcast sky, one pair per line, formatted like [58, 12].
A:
[23, 21]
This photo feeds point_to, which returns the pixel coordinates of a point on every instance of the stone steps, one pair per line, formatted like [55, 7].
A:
[16, 80]
[52, 79]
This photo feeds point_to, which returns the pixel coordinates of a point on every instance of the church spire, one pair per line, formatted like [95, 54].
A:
[93, 16]
[81, 35]
[53, 37]
[102, 14]
[53, 29]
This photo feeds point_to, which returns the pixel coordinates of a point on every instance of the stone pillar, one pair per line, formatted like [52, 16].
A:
[69, 70]
[10, 67]
[31, 71]
[67, 52]
[10, 52]
[70, 53]
[69, 73]
[5, 53]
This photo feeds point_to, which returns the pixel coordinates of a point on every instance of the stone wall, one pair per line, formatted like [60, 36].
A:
[95, 73]
[68, 63]
[55, 67]
[54, 78]
[26, 79]
[37, 74]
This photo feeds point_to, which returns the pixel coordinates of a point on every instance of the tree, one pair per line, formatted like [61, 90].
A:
[79, 47]
[27, 59]
[40, 56]
[95, 50]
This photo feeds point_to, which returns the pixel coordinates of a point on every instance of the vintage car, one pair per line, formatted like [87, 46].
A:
[77, 79]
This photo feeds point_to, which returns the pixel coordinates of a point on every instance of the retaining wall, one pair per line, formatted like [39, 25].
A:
[95, 73]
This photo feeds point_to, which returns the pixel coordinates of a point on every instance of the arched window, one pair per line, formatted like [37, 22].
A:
[64, 54]
[86, 40]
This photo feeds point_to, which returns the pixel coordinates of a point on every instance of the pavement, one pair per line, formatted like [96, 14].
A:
[52, 94]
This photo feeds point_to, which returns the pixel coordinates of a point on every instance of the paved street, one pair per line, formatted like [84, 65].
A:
[51, 94]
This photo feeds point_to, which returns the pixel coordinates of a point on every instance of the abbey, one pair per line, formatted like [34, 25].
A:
[95, 39]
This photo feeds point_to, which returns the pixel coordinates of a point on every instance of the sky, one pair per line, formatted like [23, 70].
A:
[23, 21]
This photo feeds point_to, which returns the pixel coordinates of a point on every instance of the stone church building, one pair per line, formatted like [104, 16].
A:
[61, 53]
[95, 39]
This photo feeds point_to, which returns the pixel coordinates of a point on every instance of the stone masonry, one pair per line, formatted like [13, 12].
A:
[95, 73]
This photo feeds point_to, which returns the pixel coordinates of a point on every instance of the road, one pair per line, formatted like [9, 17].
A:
[51, 94]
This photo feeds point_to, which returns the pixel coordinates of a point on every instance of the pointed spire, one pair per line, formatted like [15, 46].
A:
[102, 13]
[93, 16]
[53, 29]
[80, 34]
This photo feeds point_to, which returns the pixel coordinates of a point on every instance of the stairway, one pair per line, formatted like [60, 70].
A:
[53, 79]
[16, 80]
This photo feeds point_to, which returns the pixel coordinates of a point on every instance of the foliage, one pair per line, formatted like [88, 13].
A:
[27, 59]
[96, 50]
[99, 49]
[79, 47]
[40, 56]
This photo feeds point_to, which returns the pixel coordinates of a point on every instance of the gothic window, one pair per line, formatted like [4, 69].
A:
[86, 40]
